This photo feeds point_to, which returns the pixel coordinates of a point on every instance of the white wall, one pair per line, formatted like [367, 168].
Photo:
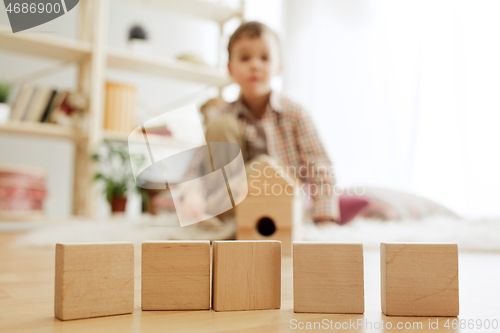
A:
[404, 93]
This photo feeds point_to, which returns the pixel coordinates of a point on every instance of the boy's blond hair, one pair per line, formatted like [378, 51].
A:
[252, 29]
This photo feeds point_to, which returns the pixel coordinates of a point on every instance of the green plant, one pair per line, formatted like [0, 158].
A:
[115, 169]
[4, 92]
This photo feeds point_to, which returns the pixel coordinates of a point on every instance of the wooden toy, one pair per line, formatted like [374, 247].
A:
[419, 279]
[94, 280]
[176, 275]
[273, 209]
[246, 275]
[328, 278]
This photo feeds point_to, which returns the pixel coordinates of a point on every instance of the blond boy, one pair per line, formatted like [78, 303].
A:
[263, 122]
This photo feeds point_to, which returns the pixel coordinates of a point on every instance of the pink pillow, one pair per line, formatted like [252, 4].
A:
[350, 206]
[387, 204]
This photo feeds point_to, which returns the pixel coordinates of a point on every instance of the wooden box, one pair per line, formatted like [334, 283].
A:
[119, 115]
[246, 275]
[328, 278]
[94, 280]
[419, 279]
[176, 275]
[273, 209]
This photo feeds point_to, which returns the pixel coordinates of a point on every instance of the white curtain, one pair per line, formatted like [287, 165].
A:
[405, 94]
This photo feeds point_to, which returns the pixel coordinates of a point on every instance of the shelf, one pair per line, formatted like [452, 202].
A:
[153, 140]
[41, 130]
[205, 9]
[174, 69]
[43, 46]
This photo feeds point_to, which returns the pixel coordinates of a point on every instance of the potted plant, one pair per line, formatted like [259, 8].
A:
[115, 171]
[4, 107]
[138, 39]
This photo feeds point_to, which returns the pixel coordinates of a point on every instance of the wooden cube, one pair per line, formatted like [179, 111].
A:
[247, 275]
[176, 275]
[94, 280]
[328, 278]
[419, 279]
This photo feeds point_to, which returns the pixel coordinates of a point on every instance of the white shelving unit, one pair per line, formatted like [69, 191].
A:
[92, 55]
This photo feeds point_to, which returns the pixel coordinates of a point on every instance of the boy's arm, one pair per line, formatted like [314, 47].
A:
[320, 173]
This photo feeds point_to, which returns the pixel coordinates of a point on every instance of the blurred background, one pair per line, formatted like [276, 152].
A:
[404, 93]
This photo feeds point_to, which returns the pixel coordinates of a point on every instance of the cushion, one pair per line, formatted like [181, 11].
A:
[350, 206]
[388, 204]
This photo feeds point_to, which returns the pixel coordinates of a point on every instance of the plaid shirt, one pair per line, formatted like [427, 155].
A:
[286, 133]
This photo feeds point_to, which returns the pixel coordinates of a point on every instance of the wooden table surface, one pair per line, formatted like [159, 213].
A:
[27, 302]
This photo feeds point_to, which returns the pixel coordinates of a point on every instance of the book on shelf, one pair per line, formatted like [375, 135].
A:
[46, 112]
[38, 104]
[21, 103]
[161, 130]
[47, 105]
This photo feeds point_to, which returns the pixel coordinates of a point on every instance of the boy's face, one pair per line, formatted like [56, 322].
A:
[253, 63]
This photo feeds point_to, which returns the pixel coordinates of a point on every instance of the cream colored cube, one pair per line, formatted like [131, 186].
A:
[328, 278]
[419, 279]
[176, 275]
[94, 280]
[247, 275]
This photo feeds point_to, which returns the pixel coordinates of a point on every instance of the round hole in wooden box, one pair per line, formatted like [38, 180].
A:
[265, 226]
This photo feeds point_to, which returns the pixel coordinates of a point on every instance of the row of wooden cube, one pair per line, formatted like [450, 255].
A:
[98, 279]
[416, 279]
[246, 275]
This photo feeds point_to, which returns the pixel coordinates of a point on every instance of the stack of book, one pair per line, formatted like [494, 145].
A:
[120, 107]
[46, 105]
[22, 191]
